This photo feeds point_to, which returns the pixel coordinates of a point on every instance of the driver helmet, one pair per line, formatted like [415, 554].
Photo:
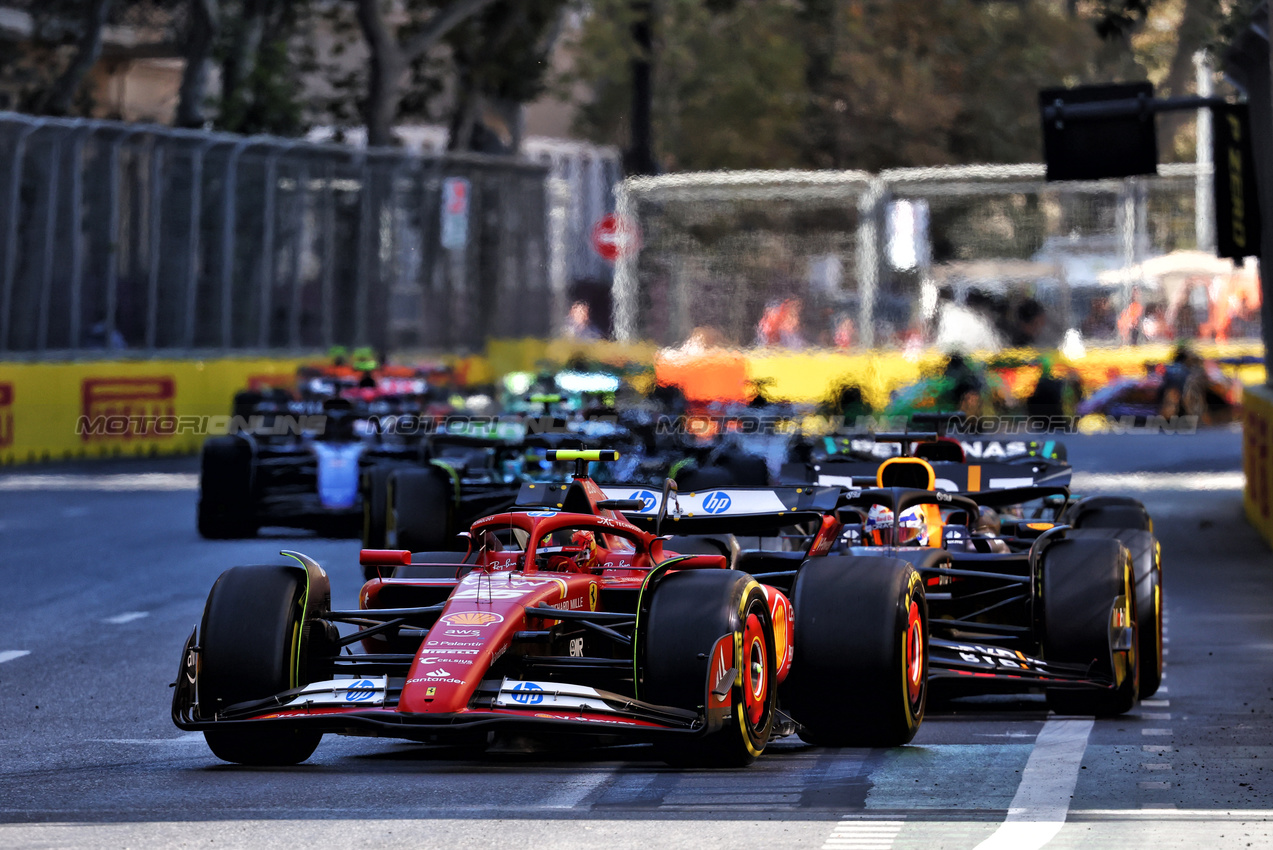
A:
[912, 527]
[587, 541]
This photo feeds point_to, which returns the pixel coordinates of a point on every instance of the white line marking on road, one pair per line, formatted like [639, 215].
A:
[1154, 748]
[572, 791]
[1174, 481]
[10, 654]
[120, 619]
[188, 738]
[154, 481]
[1155, 703]
[1038, 810]
[1155, 715]
[872, 834]
[1155, 731]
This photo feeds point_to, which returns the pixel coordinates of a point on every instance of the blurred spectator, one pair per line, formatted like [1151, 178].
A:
[1029, 325]
[579, 322]
[1100, 322]
[1129, 320]
[844, 333]
[1154, 326]
[780, 325]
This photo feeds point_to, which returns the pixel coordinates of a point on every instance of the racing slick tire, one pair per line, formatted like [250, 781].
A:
[247, 651]
[1088, 588]
[420, 509]
[225, 489]
[375, 496]
[1109, 512]
[1147, 568]
[689, 613]
[860, 676]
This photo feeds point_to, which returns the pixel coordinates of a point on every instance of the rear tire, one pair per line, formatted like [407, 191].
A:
[248, 650]
[422, 507]
[225, 489]
[375, 499]
[860, 676]
[690, 611]
[1085, 582]
[1109, 512]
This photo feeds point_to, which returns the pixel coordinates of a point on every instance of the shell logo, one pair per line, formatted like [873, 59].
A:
[1039, 526]
[472, 618]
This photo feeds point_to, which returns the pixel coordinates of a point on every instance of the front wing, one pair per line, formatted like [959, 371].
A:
[368, 707]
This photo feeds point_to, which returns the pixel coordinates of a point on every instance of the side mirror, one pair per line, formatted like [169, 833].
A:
[669, 487]
[849, 516]
[621, 504]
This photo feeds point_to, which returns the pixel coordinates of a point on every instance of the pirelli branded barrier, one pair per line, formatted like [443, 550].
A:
[55, 411]
[1257, 457]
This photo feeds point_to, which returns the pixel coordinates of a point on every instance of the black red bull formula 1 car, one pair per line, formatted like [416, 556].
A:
[1067, 598]
[566, 618]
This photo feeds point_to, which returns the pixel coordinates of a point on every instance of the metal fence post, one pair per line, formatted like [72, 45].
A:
[156, 237]
[229, 199]
[77, 239]
[50, 240]
[868, 256]
[192, 243]
[112, 203]
[11, 233]
[265, 280]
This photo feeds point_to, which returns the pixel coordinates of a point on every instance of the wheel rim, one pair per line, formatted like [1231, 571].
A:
[914, 654]
[755, 670]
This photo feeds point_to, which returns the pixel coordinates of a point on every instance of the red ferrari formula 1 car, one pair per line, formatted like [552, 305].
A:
[566, 618]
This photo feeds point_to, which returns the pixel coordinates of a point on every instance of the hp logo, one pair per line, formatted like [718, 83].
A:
[528, 693]
[360, 691]
[648, 499]
[716, 503]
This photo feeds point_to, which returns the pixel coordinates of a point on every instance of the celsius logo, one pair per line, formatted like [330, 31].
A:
[648, 499]
[716, 502]
[528, 693]
[360, 691]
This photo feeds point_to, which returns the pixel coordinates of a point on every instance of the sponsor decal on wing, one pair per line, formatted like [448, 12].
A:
[365, 691]
[526, 694]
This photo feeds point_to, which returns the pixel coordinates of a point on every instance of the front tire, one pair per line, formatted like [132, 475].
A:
[690, 612]
[249, 649]
[1147, 571]
[1089, 590]
[860, 676]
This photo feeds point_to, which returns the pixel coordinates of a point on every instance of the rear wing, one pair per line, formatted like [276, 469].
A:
[951, 475]
[740, 510]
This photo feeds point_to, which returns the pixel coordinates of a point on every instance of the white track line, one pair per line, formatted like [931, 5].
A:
[10, 654]
[1039, 808]
[574, 790]
[152, 481]
[120, 619]
[1143, 481]
[863, 834]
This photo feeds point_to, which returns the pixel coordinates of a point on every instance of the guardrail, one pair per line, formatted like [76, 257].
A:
[1257, 458]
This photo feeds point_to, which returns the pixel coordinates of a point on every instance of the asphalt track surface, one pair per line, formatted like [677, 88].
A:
[102, 577]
